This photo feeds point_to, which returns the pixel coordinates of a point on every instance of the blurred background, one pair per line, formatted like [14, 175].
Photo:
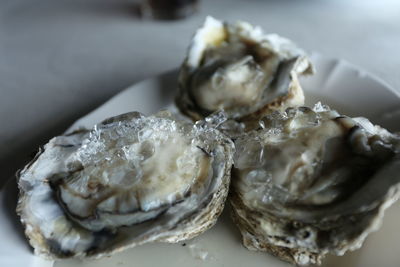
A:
[61, 59]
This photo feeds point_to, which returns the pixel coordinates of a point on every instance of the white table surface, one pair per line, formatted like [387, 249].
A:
[61, 59]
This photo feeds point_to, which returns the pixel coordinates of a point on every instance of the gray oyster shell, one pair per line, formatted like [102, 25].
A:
[309, 182]
[239, 69]
[130, 180]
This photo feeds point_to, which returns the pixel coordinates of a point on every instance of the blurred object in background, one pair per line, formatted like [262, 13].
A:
[168, 9]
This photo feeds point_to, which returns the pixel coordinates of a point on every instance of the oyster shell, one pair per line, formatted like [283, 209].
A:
[312, 182]
[130, 180]
[238, 68]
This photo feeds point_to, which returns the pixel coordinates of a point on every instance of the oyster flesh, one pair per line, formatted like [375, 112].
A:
[130, 180]
[310, 182]
[238, 68]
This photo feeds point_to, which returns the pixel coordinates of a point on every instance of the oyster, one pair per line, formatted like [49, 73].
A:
[309, 182]
[130, 180]
[238, 68]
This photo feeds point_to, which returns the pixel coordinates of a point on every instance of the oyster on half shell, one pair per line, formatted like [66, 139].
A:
[310, 182]
[239, 69]
[130, 180]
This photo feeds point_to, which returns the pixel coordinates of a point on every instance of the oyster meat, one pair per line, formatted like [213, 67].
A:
[238, 68]
[309, 182]
[130, 180]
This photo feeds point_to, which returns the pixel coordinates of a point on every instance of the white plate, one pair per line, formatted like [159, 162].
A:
[337, 83]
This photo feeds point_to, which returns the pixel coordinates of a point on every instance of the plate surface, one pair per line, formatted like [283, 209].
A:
[337, 83]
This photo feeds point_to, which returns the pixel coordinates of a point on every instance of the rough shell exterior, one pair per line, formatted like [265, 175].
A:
[300, 220]
[51, 228]
[275, 58]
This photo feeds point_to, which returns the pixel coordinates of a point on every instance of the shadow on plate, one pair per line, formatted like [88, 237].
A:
[9, 198]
